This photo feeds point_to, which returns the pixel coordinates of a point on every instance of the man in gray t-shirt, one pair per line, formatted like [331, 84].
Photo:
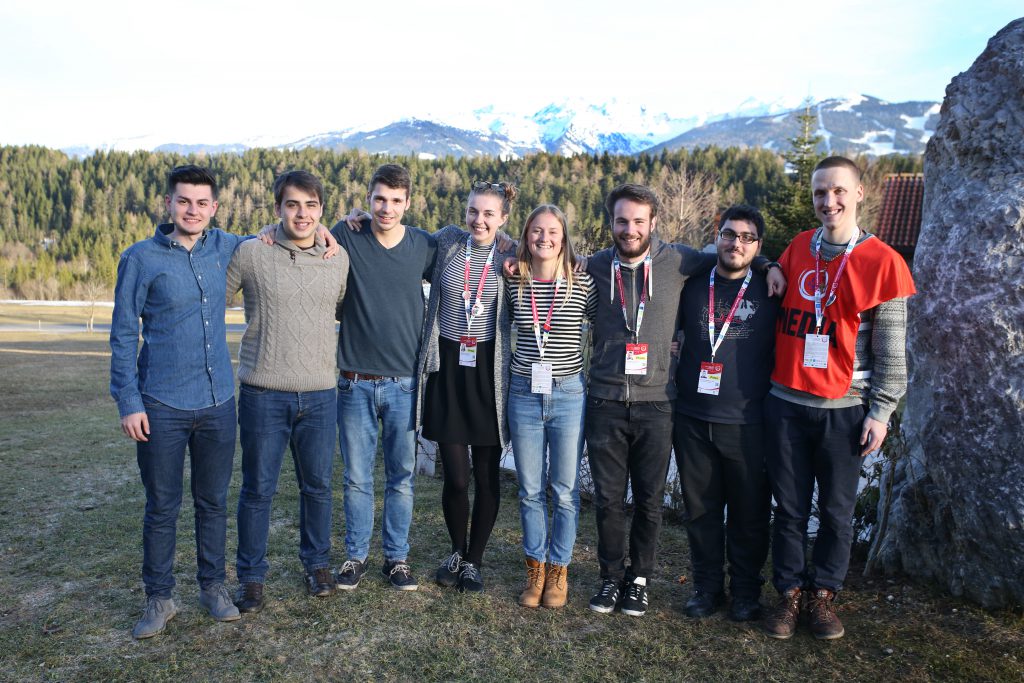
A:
[381, 321]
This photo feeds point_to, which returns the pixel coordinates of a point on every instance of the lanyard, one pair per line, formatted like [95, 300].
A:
[645, 293]
[818, 314]
[715, 343]
[542, 338]
[477, 308]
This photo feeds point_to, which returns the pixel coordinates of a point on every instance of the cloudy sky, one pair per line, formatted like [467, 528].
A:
[212, 71]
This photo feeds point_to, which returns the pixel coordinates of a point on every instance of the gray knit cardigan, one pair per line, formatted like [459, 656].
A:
[451, 243]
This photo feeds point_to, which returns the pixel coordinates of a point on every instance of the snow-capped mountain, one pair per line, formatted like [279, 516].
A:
[857, 124]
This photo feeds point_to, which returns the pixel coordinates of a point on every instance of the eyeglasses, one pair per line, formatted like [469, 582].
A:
[484, 186]
[728, 235]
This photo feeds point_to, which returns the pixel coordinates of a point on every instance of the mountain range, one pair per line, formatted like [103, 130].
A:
[858, 124]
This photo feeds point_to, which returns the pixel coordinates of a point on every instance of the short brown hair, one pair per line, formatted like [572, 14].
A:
[303, 180]
[190, 174]
[394, 176]
[641, 194]
[839, 162]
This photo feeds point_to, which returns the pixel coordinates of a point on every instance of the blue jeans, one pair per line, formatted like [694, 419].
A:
[361, 404]
[807, 446]
[269, 421]
[547, 440]
[209, 435]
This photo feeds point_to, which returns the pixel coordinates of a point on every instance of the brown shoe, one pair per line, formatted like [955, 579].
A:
[556, 586]
[534, 584]
[780, 621]
[825, 625]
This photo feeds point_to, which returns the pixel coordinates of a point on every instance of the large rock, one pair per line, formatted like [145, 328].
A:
[957, 512]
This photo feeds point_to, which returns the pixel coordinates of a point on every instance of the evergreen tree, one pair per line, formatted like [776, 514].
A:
[790, 210]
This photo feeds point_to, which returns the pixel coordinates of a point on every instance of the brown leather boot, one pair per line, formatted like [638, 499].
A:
[556, 586]
[825, 625]
[780, 621]
[534, 584]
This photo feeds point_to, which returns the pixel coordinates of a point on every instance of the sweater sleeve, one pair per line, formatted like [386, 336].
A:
[889, 353]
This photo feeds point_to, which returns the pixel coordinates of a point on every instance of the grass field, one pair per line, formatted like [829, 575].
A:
[76, 314]
[70, 525]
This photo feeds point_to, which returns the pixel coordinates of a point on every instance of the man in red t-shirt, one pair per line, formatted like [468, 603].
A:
[840, 370]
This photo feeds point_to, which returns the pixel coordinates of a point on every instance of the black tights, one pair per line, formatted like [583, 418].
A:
[455, 496]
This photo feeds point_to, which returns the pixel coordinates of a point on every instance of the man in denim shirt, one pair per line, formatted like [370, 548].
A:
[179, 389]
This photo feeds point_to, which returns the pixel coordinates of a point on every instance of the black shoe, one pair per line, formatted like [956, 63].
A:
[249, 597]
[448, 573]
[399, 575]
[607, 597]
[634, 598]
[320, 582]
[703, 604]
[745, 608]
[470, 580]
[349, 574]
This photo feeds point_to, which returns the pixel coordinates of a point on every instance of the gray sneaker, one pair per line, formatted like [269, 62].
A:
[153, 621]
[218, 603]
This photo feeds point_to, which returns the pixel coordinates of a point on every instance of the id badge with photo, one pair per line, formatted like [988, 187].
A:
[540, 378]
[816, 351]
[710, 380]
[467, 352]
[636, 359]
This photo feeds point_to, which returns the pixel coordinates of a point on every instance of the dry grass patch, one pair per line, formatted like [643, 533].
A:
[70, 523]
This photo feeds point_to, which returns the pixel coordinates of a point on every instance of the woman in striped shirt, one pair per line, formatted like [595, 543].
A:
[464, 371]
[549, 303]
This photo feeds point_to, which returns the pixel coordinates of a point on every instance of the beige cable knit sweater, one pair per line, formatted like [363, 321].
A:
[292, 299]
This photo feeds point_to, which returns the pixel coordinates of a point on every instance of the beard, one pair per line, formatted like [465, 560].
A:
[633, 249]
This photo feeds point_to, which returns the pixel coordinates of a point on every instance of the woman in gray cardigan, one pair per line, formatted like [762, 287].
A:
[464, 372]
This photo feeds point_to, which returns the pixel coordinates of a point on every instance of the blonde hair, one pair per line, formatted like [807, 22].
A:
[565, 264]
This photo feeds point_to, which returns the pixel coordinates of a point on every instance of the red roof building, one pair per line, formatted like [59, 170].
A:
[899, 219]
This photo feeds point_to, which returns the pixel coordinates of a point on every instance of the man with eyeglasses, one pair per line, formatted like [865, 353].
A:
[718, 436]
[840, 370]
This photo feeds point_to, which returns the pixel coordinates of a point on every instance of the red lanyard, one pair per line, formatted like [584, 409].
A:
[477, 308]
[818, 313]
[542, 339]
[644, 288]
[715, 343]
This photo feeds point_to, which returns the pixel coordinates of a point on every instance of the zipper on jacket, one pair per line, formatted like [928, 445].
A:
[292, 254]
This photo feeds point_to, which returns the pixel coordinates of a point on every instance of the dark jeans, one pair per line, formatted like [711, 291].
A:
[209, 435]
[722, 465]
[808, 445]
[628, 444]
[269, 421]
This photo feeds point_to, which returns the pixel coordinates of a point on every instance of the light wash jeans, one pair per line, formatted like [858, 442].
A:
[547, 439]
[361, 404]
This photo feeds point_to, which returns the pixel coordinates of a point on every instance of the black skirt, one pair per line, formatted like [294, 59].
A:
[458, 402]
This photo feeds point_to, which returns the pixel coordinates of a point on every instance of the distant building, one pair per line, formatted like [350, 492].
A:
[899, 219]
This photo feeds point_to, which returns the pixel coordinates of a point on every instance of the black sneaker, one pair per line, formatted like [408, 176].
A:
[320, 582]
[745, 608]
[399, 575]
[349, 574]
[470, 580]
[703, 603]
[607, 597]
[634, 599]
[448, 573]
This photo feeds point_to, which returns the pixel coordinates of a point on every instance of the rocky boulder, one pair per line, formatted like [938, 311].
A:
[956, 507]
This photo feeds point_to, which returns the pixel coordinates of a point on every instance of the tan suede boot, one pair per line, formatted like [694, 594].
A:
[534, 584]
[556, 586]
